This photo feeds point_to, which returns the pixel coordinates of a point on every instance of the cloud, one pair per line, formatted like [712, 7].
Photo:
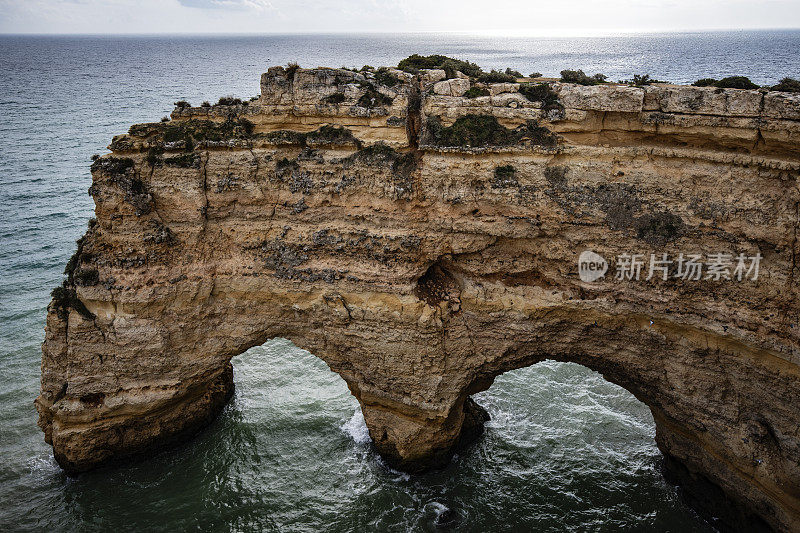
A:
[501, 17]
[227, 4]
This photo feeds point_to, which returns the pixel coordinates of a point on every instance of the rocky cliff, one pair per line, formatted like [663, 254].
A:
[421, 235]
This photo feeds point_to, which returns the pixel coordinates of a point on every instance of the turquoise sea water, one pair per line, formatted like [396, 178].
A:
[565, 450]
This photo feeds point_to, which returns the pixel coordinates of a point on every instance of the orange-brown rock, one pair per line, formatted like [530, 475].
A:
[422, 243]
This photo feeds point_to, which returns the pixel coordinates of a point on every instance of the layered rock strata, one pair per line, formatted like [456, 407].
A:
[423, 238]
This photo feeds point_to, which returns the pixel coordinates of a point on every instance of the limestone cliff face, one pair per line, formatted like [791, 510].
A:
[422, 242]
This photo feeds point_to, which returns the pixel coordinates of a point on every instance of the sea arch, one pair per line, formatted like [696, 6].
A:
[414, 384]
[419, 271]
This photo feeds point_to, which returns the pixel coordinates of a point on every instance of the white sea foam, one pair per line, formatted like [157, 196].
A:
[356, 427]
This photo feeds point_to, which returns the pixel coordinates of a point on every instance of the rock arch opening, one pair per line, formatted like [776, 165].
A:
[578, 451]
[650, 367]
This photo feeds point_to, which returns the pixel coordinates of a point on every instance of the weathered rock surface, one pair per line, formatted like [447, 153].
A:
[420, 267]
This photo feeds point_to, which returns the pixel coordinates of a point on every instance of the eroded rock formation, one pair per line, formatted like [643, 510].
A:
[422, 242]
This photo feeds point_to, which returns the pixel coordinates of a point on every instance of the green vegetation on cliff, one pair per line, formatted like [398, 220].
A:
[731, 82]
[541, 92]
[581, 78]
[335, 98]
[475, 92]
[640, 80]
[475, 131]
[373, 98]
[327, 134]
[187, 133]
[495, 76]
[504, 176]
[384, 77]
[414, 63]
[787, 85]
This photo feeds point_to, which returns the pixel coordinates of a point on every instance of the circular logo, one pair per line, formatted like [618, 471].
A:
[591, 266]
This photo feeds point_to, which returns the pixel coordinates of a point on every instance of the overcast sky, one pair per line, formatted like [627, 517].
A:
[560, 17]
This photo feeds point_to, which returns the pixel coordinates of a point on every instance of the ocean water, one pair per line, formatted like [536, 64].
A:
[565, 450]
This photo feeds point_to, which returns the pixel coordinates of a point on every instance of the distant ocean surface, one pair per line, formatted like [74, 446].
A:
[565, 449]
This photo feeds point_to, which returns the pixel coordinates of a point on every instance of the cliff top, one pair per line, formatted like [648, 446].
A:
[459, 107]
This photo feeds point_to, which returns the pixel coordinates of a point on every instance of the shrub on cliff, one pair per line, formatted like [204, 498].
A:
[187, 160]
[285, 163]
[335, 98]
[205, 104]
[475, 92]
[471, 130]
[474, 131]
[286, 137]
[86, 277]
[504, 176]
[405, 164]
[373, 98]
[74, 261]
[731, 82]
[247, 126]
[192, 131]
[495, 76]
[112, 165]
[658, 227]
[787, 85]
[153, 156]
[380, 153]
[581, 78]
[134, 191]
[414, 63]
[541, 92]
[536, 134]
[556, 176]
[329, 134]
[736, 82]
[291, 68]
[229, 100]
[640, 80]
[384, 77]
[181, 104]
[64, 299]
[535, 75]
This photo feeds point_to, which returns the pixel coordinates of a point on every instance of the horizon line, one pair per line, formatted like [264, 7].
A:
[553, 33]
